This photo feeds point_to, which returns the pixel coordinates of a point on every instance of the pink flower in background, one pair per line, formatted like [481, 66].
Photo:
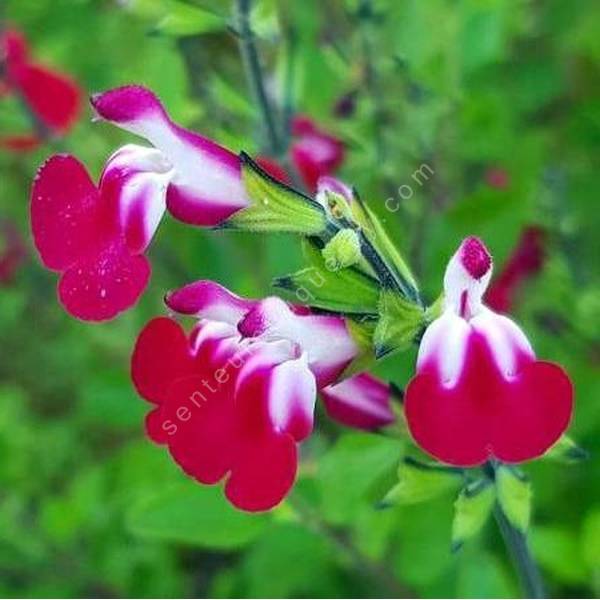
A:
[13, 251]
[52, 97]
[498, 178]
[314, 152]
[236, 397]
[479, 392]
[526, 261]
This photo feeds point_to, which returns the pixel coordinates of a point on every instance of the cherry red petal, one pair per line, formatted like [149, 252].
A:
[54, 98]
[161, 356]
[264, 473]
[65, 212]
[101, 286]
[203, 443]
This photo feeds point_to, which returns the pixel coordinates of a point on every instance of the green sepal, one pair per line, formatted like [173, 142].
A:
[361, 329]
[274, 206]
[566, 451]
[514, 496]
[400, 323]
[342, 250]
[377, 235]
[419, 482]
[346, 291]
[471, 510]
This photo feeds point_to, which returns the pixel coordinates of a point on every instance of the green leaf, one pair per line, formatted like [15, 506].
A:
[289, 561]
[347, 291]
[183, 20]
[514, 495]
[349, 473]
[557, 549]
[590, 539]
[399, 324]
[275, 207]
[419, 482]
[566, 451]
[197, 515]
[471, 510]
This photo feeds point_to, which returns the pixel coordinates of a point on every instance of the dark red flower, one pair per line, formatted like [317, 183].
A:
[52, 97]
[13, 251]
[314, 152]
[497, 178]
[526, 261]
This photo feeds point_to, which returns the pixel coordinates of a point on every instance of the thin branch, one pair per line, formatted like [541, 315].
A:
[516, 544]
[254, 74]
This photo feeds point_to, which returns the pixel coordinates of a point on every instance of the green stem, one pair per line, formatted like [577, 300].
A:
[516, 544]
[254, 73]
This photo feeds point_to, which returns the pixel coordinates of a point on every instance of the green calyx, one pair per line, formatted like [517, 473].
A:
[514, 496]
[472, 509]
[275, 207]
[400, 323]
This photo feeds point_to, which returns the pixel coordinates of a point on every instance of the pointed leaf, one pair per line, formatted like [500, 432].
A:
[514, 495]
[566, 451]
[347, 291]
[419, 482]
[471, 510]
[194, 514]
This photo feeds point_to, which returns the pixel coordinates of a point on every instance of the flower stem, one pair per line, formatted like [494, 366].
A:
[516, 544]
[254, 73]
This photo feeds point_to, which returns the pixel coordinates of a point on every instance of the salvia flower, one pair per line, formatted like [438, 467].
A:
[236, 397]
[53, 98]
[479, 392]
[95, 236]
[314, 152]
[205, 186]
[13, 251]
[526, 261]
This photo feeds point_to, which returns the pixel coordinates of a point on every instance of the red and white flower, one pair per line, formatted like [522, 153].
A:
[236, 397]
[479, 392]
[205, 187]
[53, 98]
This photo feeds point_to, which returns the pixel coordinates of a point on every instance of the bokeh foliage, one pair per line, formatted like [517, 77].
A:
[89, 507]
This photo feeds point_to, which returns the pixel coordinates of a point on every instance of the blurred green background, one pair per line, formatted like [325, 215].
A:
[89, 507]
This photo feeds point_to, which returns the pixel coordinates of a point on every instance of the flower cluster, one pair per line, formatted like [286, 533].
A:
[53, 98]
[236, 395]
